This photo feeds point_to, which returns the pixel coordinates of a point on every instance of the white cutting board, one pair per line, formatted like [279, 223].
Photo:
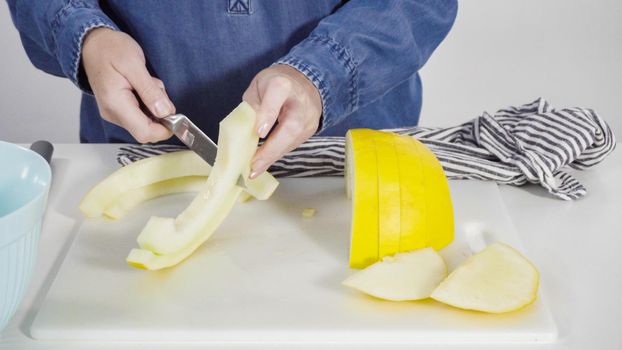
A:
[269, 275]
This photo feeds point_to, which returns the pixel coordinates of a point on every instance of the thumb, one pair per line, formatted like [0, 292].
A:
[150, 91]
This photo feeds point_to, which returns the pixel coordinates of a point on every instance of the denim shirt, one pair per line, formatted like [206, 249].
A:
[362, 55]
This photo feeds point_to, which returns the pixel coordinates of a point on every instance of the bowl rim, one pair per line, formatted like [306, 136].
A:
[44, 190]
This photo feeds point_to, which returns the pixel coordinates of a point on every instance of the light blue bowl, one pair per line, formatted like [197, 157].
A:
[24, 184]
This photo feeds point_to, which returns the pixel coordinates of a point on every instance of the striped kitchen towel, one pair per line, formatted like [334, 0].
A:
[532, 143]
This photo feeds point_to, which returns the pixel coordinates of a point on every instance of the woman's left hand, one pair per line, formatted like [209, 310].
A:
[284, 99]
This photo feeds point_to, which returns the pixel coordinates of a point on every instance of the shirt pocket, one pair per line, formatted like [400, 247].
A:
[239, 7]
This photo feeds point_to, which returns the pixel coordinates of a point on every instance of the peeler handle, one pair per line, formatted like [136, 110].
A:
[44, 149]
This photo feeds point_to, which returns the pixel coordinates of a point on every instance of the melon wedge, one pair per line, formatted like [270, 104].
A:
[237, 143]
[496, 280]
[389, 200]
[130, 199]
[413, 225]
[405, 276]
[438, 210]
[362, 187]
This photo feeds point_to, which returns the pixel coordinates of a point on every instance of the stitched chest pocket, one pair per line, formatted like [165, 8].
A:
[239, 7]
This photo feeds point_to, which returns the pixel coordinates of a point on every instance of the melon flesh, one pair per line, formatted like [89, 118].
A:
[498, 279]
[405, 276]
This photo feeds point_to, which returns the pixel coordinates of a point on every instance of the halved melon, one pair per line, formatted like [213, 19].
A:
[400, 196]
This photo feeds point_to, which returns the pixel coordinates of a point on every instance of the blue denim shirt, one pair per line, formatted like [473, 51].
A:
[362, 55]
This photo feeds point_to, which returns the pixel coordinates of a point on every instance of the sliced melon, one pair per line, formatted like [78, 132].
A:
[438, 214]
[405, 276]
[130, 199]
[362, 188]
[388, 195]
[413, 223]
[400, 196]
[237, 144]
[498, 279]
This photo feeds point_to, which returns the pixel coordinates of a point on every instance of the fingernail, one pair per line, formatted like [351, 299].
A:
[263, 130]
[163, 108]
[258, 168]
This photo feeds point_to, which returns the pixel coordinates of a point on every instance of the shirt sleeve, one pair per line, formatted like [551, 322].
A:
[52, 32]
[367, 47]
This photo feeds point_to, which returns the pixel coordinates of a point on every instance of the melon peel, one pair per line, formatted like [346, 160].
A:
[132, 198]
[165, 242]
[140, 174]
[148, 178]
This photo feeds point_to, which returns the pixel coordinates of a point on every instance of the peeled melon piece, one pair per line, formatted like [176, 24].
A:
[498, 279]
[237, 143]
[308, 212]
[130, 199]
[139, 174]
[405, 276]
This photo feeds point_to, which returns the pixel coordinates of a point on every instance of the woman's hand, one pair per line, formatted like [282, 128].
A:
[283, 96]
[115, 66]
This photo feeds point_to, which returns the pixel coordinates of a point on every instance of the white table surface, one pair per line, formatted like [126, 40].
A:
[575, 245]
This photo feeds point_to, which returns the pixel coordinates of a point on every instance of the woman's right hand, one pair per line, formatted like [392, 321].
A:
[116, 69]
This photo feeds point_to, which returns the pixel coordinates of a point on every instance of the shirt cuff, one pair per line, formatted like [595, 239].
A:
[69, 27]
[333, 71]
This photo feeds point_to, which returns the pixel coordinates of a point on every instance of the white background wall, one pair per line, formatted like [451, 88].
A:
[499, 53]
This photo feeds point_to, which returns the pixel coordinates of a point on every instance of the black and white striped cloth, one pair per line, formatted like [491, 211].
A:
[532, 143]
